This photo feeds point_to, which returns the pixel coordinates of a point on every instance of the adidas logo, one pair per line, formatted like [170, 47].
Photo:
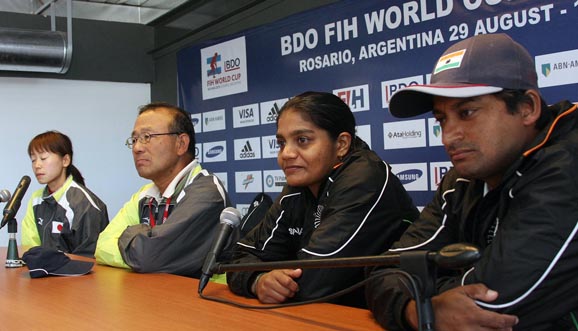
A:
[273, 113]
[247, 151]
[247, 147]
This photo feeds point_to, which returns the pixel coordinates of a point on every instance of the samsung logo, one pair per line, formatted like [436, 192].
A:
[409, 176]
[215, 151]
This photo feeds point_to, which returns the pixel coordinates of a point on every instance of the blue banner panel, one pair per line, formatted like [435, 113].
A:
[363, 52]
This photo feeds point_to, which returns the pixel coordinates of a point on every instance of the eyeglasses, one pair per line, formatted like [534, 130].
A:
[145, 138]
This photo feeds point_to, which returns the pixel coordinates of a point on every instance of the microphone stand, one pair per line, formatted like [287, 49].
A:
[421, 265]
[12, 258]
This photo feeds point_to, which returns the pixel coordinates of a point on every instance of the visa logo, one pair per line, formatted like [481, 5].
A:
[246, 113]
[273, 144]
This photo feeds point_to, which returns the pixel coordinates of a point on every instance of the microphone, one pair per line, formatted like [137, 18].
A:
[454, 256]
[5, 195]
[14, 204]
[230, 219]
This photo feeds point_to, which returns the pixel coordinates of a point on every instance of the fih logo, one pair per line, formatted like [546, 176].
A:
[248, 180]
[213, 61]
[247, 151]
[214, 152]
[409, 176]
[273, 113]
[546, 69]
[354, 97]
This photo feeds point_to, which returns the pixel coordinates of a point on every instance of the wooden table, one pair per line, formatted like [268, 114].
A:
[118, 299]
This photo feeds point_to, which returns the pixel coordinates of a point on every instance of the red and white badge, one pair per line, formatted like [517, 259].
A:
[57, 227]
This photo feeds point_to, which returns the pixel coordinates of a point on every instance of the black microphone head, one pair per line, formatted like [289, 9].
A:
[5, 195]
[25, 181]
[231, 217]
[459, 255]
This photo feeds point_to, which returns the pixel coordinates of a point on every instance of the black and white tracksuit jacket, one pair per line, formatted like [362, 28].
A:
[525, 228]
[362, 209]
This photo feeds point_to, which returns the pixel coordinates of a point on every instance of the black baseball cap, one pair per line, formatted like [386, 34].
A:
[479, 65]
[44, 262]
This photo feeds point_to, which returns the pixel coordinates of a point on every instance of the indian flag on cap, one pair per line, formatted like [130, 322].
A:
[448, 61]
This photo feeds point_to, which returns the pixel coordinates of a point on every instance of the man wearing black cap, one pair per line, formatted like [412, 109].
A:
[512, 191]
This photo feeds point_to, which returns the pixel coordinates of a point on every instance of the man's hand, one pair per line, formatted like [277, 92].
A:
[455, 309]
[277, 286]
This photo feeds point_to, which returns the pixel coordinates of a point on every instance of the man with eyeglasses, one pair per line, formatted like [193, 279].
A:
[165, 225]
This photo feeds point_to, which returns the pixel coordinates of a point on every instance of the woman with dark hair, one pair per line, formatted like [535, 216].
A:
[64, 214]
[341, 200]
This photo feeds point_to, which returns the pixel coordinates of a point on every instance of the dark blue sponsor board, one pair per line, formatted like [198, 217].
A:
[355, 43]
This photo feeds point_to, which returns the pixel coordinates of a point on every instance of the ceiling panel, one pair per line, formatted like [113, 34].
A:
[127, 11]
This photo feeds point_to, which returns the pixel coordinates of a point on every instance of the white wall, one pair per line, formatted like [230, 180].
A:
[97, 116]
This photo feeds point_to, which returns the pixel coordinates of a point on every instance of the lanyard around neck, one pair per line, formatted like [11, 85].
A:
[152, 221]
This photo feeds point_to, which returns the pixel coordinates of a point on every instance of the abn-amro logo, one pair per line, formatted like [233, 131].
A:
[546, 69]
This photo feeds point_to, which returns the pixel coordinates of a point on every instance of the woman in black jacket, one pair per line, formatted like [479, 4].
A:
[341, 200]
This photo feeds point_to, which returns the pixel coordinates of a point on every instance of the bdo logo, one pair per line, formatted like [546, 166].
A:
[233, 64]
[390, 87]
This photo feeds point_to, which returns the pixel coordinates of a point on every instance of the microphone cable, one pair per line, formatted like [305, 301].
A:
[326, 298]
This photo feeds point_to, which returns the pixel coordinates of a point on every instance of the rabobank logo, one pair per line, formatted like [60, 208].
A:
[248, 148]
[557, 69]
[215, 151]
[246, 115]
[270, 110]
[390, 87]
[413, 176]
[213, 63]
[356, 97]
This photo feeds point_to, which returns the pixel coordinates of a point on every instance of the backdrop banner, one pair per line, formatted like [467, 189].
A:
[363, 52]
